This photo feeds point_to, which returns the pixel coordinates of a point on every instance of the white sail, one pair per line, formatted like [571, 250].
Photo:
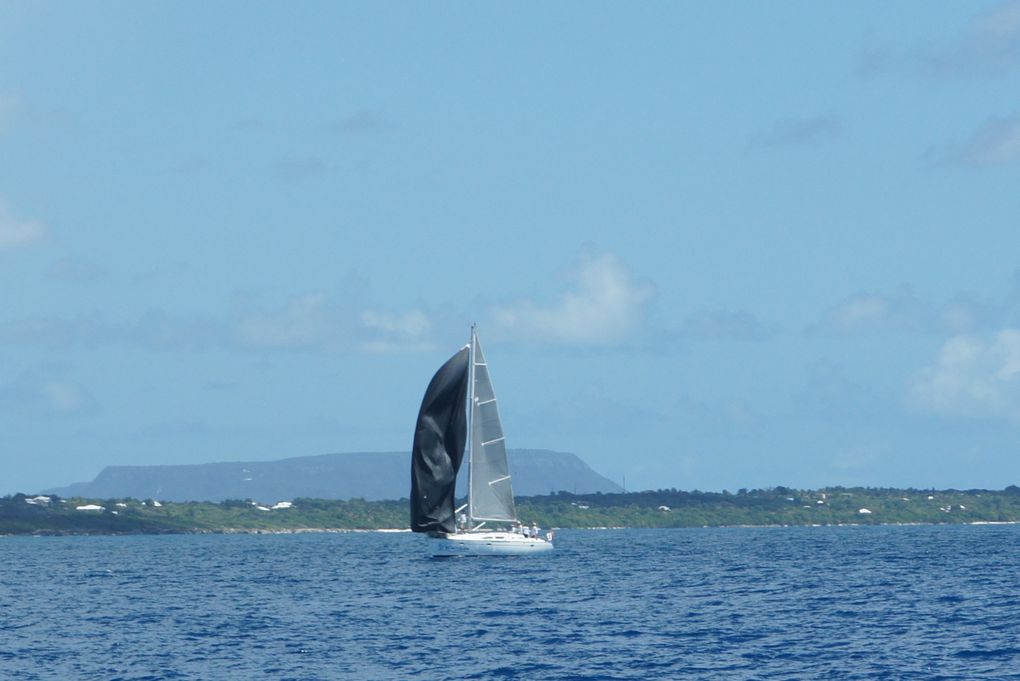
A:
[490, 495]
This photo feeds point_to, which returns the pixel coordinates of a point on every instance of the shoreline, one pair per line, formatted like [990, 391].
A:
[339, 530]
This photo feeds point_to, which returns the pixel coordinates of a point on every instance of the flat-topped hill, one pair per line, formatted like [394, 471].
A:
[367, 475]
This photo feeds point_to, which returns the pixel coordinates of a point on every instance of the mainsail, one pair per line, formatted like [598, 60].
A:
[439, 447]
[491, 496]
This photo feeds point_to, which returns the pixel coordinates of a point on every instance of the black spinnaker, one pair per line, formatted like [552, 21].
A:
[439, 447]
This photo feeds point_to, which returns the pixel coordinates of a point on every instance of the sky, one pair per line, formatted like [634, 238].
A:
[708, 245]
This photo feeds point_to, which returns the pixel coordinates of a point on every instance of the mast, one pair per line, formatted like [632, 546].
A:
[470, 411]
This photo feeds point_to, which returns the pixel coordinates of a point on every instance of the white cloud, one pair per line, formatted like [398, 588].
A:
[16, 232]
[1002, 22]
[155, 330]
[49, 396]
[987, 45]
[997, 141]
[316, 322]
[57, 333]
[862, 310]
[604, 307]
[990, 44]
[413, 324]
[312, 322]
[160, 330]
[62, 396]
[901, 312]
[974, 377]
[392, 332]
[305, 322]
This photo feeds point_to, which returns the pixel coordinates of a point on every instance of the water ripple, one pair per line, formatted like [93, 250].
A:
[767, 603]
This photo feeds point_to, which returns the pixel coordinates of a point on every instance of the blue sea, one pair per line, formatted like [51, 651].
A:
[917, 602]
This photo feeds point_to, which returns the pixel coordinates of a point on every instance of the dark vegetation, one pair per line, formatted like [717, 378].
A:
[21, 514]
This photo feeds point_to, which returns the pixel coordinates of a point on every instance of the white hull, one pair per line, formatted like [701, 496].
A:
[487, 544]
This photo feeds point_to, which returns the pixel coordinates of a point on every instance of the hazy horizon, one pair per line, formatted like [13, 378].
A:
[620, 483]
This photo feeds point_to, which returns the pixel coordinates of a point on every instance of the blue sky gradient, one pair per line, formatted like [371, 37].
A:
[707, 245]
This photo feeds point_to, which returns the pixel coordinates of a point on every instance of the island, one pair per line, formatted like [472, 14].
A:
[22, 514]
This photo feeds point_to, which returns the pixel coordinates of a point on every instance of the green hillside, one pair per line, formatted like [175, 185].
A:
[21, 514]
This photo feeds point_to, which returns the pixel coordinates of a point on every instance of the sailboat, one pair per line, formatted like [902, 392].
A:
[459, 422]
